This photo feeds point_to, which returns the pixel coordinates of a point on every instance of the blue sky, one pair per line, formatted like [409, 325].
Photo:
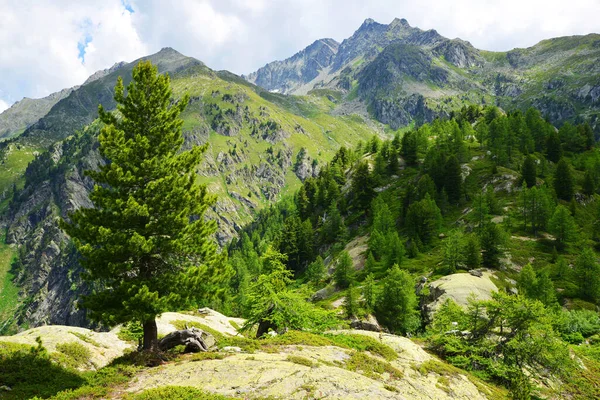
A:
[49, 45]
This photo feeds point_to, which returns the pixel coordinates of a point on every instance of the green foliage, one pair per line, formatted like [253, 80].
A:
[369, 293]
[423, 220]
[528, 171]
[344, 270]
[472, 252]
[536, 285]
[363, 186]
[140, 250]
[491, 238]
[274, 306]
[371, 366]
[30, 371]
[316, 271]
[587, 273]
[508, 333]
[454, 255]
[351, 304]
[132, 331]
[176, 393]
[300, 361]
[396, 307]
[562, 225]
[73, 354]
[563, 181]
[453, 180]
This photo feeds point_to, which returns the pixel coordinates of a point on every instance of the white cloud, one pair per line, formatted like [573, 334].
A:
[3, 105]
[39, 39]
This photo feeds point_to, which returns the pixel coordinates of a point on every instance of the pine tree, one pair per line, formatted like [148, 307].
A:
[145, 245]
[423, 220]
[545, 289]
[396, 307]
[589, 183]
[344, 271]
[528, 282]
[529, 171]
[453, 252]
[350, 305]
[426, 186]
[587, 272]
[382, 217]
[409, 150]
[368, 292]
[363, 186]
[370, 264]
[472, 252]
[553, 147]
[563, 181]
[562, 226]
[453, 181]
[491, 238]
[395, 250]
[316, 272]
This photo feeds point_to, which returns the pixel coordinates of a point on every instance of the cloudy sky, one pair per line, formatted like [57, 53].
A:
[47, 45]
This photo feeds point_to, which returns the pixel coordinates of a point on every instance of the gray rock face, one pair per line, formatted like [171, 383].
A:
[303, 67]
[27, 112]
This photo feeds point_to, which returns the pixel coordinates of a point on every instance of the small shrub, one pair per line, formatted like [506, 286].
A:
[301, 360]
[131, 332]
[176, 393]
[73, 354]
[371, 366]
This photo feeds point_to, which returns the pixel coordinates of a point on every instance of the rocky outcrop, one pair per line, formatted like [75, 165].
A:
[459, 288]
[303, 67]
[27, 112]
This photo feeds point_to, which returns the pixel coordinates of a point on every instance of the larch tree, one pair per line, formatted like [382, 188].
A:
[528, 171]
[146, 247]
[563, 181]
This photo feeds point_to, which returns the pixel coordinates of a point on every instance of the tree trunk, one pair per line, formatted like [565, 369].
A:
[150, 335]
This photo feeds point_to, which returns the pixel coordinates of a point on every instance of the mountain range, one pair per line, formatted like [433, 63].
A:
[402, 74]
[268, 131]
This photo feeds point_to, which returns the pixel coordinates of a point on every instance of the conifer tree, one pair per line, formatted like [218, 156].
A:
[145, 245]
[396, 307]
[589, 183]
[587, 272]
[363, 186]
[491, 238]
[553, 147]
[472, 252]
[350, 305]
[529, 171]
[368, 292]
[562, 226]
[344, 271]
[409, 150]
[453, 181]
[453, 252]
[316, 270]
[563, 181]
[423, 220]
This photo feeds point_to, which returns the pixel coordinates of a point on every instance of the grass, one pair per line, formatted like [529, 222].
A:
[300, 361]
[9, 293]
[371, 367]
[86, 338]
[176, 393]
[72, 354]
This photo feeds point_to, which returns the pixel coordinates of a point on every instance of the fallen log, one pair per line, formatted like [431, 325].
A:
[195, 340]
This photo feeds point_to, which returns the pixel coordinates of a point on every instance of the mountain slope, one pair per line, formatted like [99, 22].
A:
[26, 112]
[255, 138]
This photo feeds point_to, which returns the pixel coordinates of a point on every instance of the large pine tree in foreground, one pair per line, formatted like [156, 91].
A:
[145, 245]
